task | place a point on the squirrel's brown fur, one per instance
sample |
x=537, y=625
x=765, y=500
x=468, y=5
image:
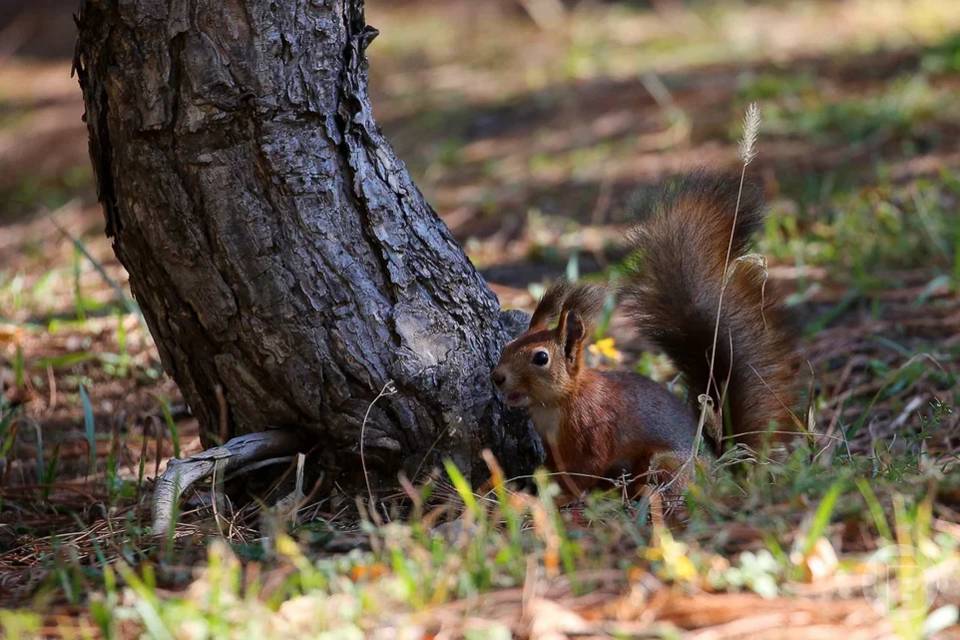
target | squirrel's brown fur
x=675, y=297
x=601, y=423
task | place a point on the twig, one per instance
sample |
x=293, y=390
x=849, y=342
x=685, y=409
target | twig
x=433, y=445
x=216, y=491
x=388, y=390
x=915, y=403
x=52, y=385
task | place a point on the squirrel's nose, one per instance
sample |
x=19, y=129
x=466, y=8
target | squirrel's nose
x=498, y=377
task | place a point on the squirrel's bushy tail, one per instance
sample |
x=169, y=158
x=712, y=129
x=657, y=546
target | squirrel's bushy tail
x=673, y=297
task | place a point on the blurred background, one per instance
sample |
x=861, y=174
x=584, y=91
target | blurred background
x=538, y=129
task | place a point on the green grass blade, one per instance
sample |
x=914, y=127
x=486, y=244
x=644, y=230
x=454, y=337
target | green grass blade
x=89, y=427
x=50, y=473
x=78, y=289
x=462, y=486
x=171, y=425
x=121, y=295
x=19, y=368
x=40, y=464
x=875, y=509
x=821, y=519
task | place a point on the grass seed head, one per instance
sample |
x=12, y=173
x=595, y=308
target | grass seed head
x=751, y=127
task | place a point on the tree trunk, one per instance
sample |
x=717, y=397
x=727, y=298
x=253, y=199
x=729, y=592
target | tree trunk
x=280, y=252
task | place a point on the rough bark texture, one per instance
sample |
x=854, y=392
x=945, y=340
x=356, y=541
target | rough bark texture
x=276, y=244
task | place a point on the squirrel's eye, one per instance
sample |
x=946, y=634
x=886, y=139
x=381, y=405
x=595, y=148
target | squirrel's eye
x=540, y=358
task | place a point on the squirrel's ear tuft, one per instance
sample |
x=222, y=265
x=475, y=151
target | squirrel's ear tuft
x=549, y=305
x=562, y=329
x=572, y=333
x=586, y=300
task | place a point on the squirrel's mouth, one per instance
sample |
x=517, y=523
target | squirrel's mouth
x=517, y=399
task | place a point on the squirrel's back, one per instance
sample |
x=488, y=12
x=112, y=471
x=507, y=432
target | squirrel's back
x=675, y=296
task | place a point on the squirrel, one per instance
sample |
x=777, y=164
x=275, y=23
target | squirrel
x=601, y=424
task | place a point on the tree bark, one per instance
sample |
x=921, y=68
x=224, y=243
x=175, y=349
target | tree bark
x=278, y=248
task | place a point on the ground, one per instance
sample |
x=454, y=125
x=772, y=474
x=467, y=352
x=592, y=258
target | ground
x=539, y=135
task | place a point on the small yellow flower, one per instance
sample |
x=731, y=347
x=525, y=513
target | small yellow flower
x=605, y=348
x=287, y=547
x=673, y=556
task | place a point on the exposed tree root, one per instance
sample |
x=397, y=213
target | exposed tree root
x=236, y=452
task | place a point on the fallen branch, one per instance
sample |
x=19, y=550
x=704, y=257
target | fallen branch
x=243, y=450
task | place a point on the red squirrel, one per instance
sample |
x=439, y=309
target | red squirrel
x=600, y=424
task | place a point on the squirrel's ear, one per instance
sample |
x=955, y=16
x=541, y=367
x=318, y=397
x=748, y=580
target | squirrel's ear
x=549, y=305
x=562, y=328
x=572, y=332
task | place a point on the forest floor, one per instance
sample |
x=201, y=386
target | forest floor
x=539, y=140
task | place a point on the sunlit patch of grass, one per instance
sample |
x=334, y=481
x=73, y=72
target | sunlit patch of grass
x=780, y=500
x=919, y=559
x=509, y=77
x=25, y=296
x=495, y=543
x=503, y=540
x=20, y=625
x=768, y=86
x=621, y=41
x=48, y=274
x=864, y=233
x=944, y=57
x=902, y=109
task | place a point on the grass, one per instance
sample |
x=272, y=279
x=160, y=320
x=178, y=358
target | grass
x=905, y=110
x=865, y=234
x=504, y=540
x=449, y=96
x=546, y=145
